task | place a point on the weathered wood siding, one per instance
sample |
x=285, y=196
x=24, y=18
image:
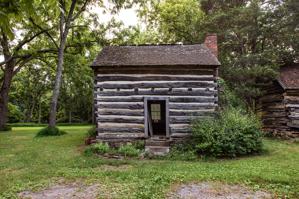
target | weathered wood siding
x=119, y=97
x=291, y=100
x=279, y=111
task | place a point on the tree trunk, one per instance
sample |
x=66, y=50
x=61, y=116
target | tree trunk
x=39, y=111
x=64, y=30
x=6, y=81
x=70, y=116
x=56, y=91
x=8, y=75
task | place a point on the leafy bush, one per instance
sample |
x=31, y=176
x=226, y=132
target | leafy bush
x=183, y=151
x=228, y=98
x=128, y=150
x=231, y=134
x=139, y=144
x=92, y=132
x=99, y=148
x=6, y=128
x=50, y=131
x=14, y=113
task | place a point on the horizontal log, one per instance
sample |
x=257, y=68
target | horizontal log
x=119, y=105
x=156, y=84
x=192, y=106
x=138, y=98
x=120, y=130
x=121, y=119
x=189, y=70
x=186, y=99
x=120, y=136
x=291, y=99
x=154, y=77
x=206, y=112
x=114, y=125
x=186, y=119
x=292, y=105
x=180, y=130
x=158, y=92
x=294, y=92
x=128, y=112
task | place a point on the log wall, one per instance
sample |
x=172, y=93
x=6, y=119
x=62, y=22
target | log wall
x=279, y=111
x=119, y=98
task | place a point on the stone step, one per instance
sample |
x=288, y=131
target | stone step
x=157, y=150
x=151, y=142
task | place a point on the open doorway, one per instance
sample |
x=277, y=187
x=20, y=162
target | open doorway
x=156, y=113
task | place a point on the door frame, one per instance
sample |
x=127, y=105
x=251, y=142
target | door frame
x=146, y=99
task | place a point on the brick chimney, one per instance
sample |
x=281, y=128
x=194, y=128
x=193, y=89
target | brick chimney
x=211, y=43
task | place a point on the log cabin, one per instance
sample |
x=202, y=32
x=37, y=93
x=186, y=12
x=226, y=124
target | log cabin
x=154, y=92
x=279, y=106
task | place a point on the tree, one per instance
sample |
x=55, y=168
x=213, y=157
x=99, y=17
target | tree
x=16, y=52
x=254, y=36
x=174, y=20
x=67, y=17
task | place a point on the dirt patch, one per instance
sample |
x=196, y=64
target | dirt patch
x=68, y=191
x=115, y=168
x=213, y=190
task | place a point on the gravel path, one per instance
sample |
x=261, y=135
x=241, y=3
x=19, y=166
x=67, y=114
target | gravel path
x=71, y=191
x=212, y=190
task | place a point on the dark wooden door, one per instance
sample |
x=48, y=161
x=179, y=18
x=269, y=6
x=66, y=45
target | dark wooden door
x=157, y=112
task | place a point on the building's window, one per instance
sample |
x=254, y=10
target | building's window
x=156, y=112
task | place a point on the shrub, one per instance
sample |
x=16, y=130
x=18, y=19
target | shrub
x=14, y=113
x=92, y=132
x=232, y=133
x=128, y=150
x=183, y=151
x=6, y=128
x=99, y=148
x=50, y=131
x=139, y=144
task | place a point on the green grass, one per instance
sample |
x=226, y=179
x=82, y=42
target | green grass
x=29, y=163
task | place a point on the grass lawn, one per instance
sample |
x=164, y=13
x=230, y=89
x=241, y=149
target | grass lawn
x=28, y=163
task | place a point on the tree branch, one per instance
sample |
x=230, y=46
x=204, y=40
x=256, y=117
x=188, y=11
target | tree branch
x=28, y=55
x=70, y=14
x=23, y=62
x=47, y=33
x=82, y=9
x=27, y=40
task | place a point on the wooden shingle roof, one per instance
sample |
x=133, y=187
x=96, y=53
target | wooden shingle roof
x=156, y=55
x=289, y=76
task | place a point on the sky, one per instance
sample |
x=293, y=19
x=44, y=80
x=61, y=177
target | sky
x=127, y=16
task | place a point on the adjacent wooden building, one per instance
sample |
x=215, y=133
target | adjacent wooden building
x=154, y=90
x=279, y=107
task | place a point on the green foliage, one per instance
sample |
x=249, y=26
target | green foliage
x=50, y=131
x=175, y=20
x=128, y=150
x=182, y=151
x=228, y=97
x=232, y=134
x=92, y=132
x=139, y=144
x=14, y=113
x=6, y=128
x=98, y=148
